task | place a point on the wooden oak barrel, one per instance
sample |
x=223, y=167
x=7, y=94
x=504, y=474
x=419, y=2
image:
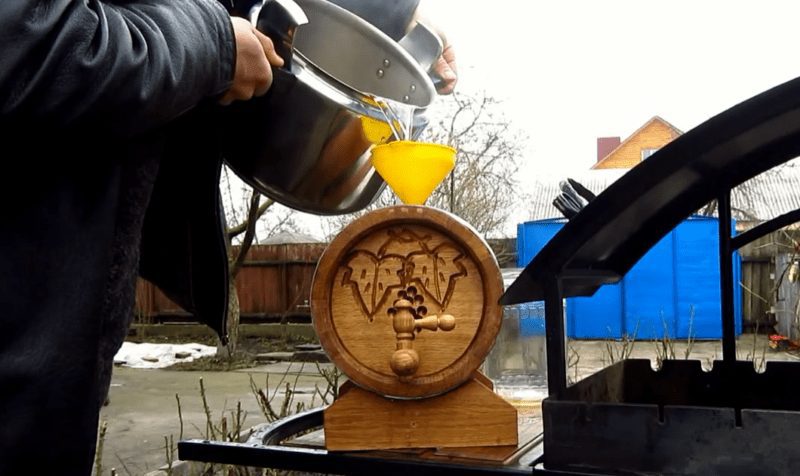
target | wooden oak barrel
x=405, y=301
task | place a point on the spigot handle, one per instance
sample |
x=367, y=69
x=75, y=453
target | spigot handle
x=445, y=322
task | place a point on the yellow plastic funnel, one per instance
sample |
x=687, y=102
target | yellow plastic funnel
x=413, y=169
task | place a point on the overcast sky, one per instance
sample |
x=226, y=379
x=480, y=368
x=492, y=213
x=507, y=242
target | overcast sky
x=570, y=71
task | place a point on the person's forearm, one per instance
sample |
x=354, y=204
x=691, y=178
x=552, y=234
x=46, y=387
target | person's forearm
x=123, y=66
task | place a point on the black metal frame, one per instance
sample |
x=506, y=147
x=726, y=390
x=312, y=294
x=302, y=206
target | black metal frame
x=587, y=426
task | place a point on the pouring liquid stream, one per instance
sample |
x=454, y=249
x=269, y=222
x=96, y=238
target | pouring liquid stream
x=398, y=116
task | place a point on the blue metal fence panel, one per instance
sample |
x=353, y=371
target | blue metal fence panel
x=596, y=317
x=699, y=294
x=533, y=235
x=649, y=293
x=531, y=318
x=673, y=290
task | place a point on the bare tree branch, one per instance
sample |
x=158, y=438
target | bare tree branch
x=249, y=234
x=482, y=188
x=237, y=230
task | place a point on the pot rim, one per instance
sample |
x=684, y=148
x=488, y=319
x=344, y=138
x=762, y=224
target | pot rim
x=350, y=19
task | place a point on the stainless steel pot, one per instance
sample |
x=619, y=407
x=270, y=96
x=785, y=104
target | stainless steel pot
x=302, y=144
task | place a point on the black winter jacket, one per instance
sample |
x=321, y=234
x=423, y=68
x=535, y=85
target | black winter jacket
x=92, y=96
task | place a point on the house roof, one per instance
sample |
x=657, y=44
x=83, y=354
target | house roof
x=773, y=193
x=765, y=196
x=602, y=242
x=622, y=144
x=287, y=237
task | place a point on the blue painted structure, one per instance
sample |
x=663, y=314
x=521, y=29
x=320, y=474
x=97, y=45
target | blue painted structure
x=531, y=318
x=672, y=291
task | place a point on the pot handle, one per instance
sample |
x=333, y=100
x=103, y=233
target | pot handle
x=278, y=19
x=425, y=46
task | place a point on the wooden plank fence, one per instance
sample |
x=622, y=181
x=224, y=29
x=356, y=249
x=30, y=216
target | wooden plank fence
x=758, y=296
x=761, y=276
x=273, y=285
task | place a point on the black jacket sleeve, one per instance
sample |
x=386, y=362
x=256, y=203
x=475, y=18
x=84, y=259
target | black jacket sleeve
x=116, y=66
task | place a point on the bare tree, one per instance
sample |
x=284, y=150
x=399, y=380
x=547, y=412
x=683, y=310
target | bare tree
x=332, y=225
x=242, y=229
x=482, y=189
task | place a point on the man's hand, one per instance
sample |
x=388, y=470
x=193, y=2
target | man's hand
x=446, y=69
x=254, y=55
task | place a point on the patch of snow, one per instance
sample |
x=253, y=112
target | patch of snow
x=522, y=393
x=158, y=356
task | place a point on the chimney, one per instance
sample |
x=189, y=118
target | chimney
x=605, y=145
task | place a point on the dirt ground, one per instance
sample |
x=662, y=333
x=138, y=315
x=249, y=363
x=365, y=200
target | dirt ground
x=143, y=408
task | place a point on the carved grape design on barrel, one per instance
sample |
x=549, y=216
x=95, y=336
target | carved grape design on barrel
x=375, y=277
